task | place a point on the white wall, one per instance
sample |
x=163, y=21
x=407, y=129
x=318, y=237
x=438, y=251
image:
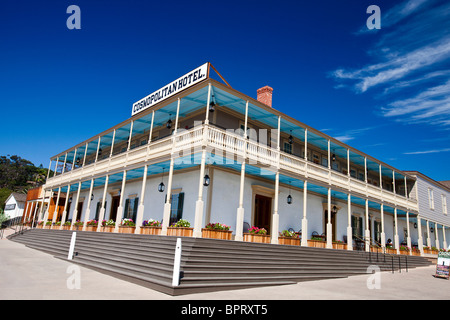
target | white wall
x=18, y=209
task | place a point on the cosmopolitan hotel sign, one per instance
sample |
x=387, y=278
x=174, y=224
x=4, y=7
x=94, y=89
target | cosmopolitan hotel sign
x=189, y=79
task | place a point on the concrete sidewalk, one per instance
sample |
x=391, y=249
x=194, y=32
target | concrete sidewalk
x=30, y=274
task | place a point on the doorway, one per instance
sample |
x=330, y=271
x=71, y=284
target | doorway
x=263, y=210
x=114, y=206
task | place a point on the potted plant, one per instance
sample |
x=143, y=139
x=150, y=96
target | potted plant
x=256, y=234
x=40, y=224
x=48, y=225
x=108, y=225
x=434, y=250
x=217, y=231
x=427, y=250
x=92, y=225
x=317, y=242
x=66, y=225
x=151, y=227
x=181, y=228
x=339, y=244
x=78, y=225
x=127, y=226
x=390, y=249
x=404, y=250
x=415, y=251
x=289, y=238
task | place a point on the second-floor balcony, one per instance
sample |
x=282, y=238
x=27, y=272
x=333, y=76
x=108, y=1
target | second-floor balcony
x=227, y=147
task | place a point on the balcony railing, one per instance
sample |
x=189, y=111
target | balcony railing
x=230, y=145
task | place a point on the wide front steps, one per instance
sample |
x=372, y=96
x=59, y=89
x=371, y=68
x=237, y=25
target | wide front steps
x=207, y=264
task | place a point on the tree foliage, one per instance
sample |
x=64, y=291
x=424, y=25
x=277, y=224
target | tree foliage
x=19, y=175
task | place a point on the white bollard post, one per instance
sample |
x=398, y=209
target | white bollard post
x=72, y=246
x=176, y=264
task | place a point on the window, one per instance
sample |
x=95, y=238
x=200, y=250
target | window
x=287, y=147
x=176, y=208
x=97, y=210
x=444, y=204
x=357, y=226
x=431, y=198
x=131, y=206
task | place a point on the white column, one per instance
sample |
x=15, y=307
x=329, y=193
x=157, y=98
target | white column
x=436, y=231
x=275, y=216
x=396, y=238
x=207, y=104
x=55, y=212
x=151, y=127
x=140, y=212
x=420, y=238
x=63, y=218
x=329, y=226
x=444, y=239
x=168, y=204
x=98, y=148
x=102, y=210
x=306, y=148
x=305, y=220
x=367, y=231
x=383, y=234
x=408, y=239
x=428, y=235
x=112, y=143
x=131, y=135
x=240, y=210
x=75, y=211
x=199, y=203
x=87, y=214
x=34, y=213
x=119, y=214
x=349, y=226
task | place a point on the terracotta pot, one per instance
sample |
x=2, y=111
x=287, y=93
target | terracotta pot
x=91, y=228
x=107, y=228
x=259, y=238
x=216, y=234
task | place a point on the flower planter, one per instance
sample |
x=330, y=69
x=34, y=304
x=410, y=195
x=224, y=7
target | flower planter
x=91, y=228
x=216, y=234
x=126, y=229
x=151, y=230
x=391, y=251
x=404, y=252
x=415, y=253
x=107, y=228
x=260, y=238
x=180, y=231
x=289, y=241
x=65, y=227
x=317, y=243
x=339, y=246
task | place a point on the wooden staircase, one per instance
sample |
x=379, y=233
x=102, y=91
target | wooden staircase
x=207, y=264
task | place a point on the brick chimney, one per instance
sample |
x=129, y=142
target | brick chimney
x=265, y=95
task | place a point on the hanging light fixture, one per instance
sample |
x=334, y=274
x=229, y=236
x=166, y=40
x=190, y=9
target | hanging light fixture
x=206, y=180
x=291, y=139
x=212, y=104
x=161, y=186
x=169, y=123
x=333, y=157
x=289, y=197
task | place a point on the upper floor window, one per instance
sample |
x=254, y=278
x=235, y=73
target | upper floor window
x=444, y=204
x=431, y=198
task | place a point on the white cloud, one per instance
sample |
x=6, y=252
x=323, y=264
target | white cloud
x=428, y=151
x=410, y=59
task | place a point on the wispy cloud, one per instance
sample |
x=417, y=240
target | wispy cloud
x=353, y=133
x=411, y=59
x=428, y=151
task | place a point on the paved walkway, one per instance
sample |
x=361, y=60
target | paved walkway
x=31, y=274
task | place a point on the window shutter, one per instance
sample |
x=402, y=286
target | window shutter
x=180, y=205
x=135, y=207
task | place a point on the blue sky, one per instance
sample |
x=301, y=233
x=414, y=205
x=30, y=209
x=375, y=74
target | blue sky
x=385, y=92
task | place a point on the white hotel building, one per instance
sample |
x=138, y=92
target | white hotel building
x=254, y=157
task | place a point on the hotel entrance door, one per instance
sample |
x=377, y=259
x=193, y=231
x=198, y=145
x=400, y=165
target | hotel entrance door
x=263, y=210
